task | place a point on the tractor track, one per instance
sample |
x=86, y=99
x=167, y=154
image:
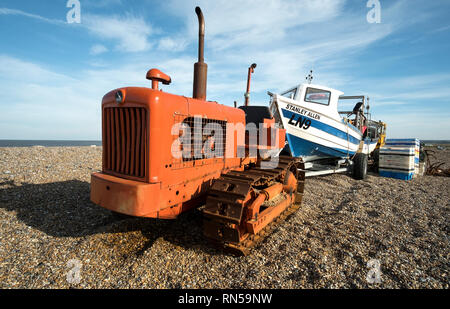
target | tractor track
x=230, y=196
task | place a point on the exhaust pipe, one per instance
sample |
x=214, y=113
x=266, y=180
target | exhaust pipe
x=200, y=68
x=251, y=70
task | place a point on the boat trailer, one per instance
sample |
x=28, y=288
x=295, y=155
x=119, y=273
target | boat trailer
x=313, y=169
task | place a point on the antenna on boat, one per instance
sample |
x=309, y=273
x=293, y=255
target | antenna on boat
x=368, y=108
x=310, y=77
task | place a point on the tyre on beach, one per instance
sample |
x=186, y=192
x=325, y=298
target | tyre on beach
x=376, y=159
x=360, y=166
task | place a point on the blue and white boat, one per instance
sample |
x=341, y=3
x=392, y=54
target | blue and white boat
x=315, y=129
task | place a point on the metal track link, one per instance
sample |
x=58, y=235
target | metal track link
x=254, y=240
x=228, y=198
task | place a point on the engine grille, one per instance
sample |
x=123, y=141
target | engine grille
x=190, y=121
x=125, y=141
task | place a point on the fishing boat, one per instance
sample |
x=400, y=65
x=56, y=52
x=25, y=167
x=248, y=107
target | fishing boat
x=316, y=130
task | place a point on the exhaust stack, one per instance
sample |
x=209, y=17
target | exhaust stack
x=200, y=68
x=251, y=70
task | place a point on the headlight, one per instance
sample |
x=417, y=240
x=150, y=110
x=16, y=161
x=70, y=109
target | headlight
x=119, y=97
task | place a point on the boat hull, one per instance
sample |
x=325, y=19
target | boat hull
x=312, y=135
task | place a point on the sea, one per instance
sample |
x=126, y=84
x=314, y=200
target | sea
x=47, y=143
x=69, y=143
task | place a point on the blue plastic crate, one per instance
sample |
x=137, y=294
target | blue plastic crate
x=403, y=142
x=396, y=175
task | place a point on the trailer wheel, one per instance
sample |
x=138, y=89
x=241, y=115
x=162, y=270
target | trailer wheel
x=360, y=166
x=376, y=159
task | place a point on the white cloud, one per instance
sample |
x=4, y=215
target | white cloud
x=6, y=11
x=12, y=69
x=129, y=33
x=394, y=90
x=174, y=45
x=236, y=23
x=416, y=123
x=39, y=103
x=101, y=3
x=285, y=39
x=227, y=17
x=98, y=49
x=441, y=29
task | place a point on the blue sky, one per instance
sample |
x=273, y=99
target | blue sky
x=54, y=74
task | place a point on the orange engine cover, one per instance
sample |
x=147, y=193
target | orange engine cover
x=143, y=173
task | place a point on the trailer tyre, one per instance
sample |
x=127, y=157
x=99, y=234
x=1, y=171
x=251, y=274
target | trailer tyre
x=376, y=159
x=376, y=155
x=360, y=166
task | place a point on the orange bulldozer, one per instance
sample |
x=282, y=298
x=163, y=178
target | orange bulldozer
x=164, y=154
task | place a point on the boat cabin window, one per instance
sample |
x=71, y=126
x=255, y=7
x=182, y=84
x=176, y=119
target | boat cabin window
x=318, y=96
x=290, y=94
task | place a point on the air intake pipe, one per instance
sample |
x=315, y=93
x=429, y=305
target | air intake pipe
x=200, y=68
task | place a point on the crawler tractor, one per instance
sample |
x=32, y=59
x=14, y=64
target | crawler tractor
x=164, y=154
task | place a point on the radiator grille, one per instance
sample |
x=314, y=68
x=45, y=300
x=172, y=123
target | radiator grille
x=201, y=137
x=125, y=141
x=189, y=156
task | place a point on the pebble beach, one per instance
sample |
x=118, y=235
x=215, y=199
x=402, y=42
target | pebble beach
x=52, y=236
